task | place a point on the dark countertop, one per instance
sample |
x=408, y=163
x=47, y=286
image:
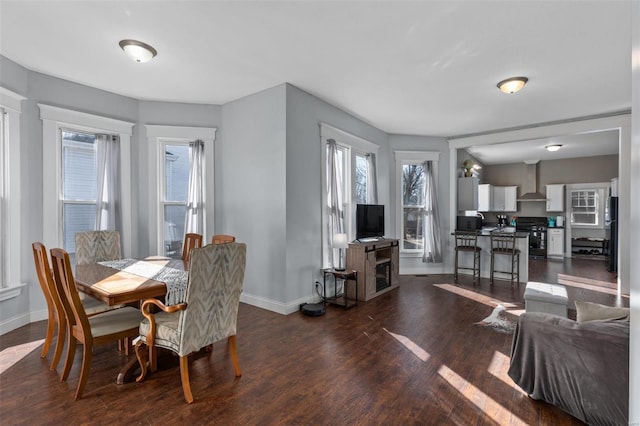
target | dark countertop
x=487, y=233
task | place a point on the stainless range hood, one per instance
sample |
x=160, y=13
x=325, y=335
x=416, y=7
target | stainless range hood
x=531, y=192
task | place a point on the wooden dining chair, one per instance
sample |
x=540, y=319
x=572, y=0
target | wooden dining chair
x=56, y=315
x=191, y=241
x=89, y=331
x=222, y=239
x=97, y=246
x=209, y=314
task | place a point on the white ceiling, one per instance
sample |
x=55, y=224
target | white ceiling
x=425, y=68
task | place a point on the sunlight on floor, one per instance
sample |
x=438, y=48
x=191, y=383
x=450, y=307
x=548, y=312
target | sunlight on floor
x=409, y=344
x=478, y=398
x=499, y=366
x=10, y=356
x=486, y=300
x=588, y=284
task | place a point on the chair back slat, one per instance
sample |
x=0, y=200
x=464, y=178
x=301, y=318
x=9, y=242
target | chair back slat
x=45, y=278
x=191, y=241
x=503, y=242
x=466, y=240
x=70, y=298
x=222, y=239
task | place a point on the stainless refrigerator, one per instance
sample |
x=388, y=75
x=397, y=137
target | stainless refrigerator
x=611, y=229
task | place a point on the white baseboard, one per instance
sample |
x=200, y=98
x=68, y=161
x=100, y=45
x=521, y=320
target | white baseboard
x=15, y=322
x=272, y=305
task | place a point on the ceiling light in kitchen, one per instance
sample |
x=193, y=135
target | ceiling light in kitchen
x=553, y=148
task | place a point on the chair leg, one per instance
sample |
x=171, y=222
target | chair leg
x=71, y=353
x=492, y=259
x=234, y=355
x=153, y=359
x=184, y=376
x=87, y=354
x=455, y=268
x=62, y=334
x=142, y=353
x=51, y=325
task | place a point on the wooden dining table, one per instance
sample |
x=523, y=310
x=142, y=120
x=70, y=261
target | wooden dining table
x=116, y=287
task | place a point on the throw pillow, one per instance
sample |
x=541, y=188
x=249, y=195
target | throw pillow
x=588, y=311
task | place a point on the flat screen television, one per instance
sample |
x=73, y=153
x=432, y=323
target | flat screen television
x=369, y=221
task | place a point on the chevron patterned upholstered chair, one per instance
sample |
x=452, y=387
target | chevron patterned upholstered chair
x=97, y=246
x=208, y=314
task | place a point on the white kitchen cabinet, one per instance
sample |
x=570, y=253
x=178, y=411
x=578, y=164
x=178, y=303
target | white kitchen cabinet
x=504, y=198
x=467, y=193
x=555, y=198
x=484, y=197
x=555, y=242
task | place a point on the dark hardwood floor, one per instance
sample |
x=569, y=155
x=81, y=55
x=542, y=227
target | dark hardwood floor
x=411, y=356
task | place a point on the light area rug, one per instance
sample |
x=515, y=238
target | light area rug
x=498, y=321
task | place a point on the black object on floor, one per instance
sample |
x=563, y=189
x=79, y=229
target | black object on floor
x=313, y=309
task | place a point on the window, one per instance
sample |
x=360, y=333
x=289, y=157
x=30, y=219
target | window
x=3, y=202
x=585, y=207
x=356, y=177
x=169, y=168
x=11, y=245
x=70, y=174
x=79, y=185
x=417, y=204
x=361, y=179
x=413, y=204
x=173, y=203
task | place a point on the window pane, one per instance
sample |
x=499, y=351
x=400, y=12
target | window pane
x=412, y=185
x=79, y=177
x=173, y=230
x=362, y=171
x=176, y=172
x=77, y=218
x=412, y=234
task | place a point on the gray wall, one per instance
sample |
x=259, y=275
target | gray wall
x=251, y=189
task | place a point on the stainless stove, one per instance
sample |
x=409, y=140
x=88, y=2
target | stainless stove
x=537, y=229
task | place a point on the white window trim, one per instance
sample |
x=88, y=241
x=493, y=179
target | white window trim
x=53, y=120
x=12, y=104
x=410, y=157
x=602, y=189
x=353, y=144
x=157, y=136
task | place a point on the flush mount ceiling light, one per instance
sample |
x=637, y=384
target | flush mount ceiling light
x=553, y=148
x=137, y=50
x=513, y=84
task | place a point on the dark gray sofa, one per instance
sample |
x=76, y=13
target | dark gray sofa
x=582, y=368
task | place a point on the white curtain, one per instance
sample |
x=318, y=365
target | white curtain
x=334, y=193
x=108, y=215
x=372, y=180
x=431, y=223
x=194, y=216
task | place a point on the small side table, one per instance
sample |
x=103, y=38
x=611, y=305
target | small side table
x=346, y=275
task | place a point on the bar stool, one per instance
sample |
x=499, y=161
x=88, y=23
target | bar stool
x=467, y=242
x=504, y=243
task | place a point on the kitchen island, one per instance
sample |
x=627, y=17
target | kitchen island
x=501, y=261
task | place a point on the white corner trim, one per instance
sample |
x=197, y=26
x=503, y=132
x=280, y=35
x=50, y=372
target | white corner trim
x=272, y=305
x=11, y=100
x=180, y=132
x=72, y=117
x=11, y=292
x=327, y=131
x=417, y=155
